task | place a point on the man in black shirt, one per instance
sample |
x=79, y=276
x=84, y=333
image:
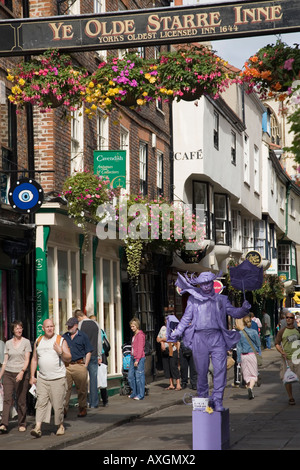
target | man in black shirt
x=93, y=332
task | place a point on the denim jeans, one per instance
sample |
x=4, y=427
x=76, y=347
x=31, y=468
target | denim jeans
x=268, y=341
x=136, y=378
x=93, y=373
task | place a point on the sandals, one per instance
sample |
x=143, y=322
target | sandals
x=170, y=388
x=60, y=431
x=178, y=389
x=22, y=428
x=36, y=432
x=292, y=401
x=3, y=429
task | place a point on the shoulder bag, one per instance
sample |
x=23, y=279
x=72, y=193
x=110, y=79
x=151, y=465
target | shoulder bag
x=258, y=357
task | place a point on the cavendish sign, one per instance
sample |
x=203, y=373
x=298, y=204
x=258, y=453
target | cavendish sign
x=135, y=28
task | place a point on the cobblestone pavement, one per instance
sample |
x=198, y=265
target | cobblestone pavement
x=267, y=422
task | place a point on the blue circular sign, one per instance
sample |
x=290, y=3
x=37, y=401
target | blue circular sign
x=26, y=196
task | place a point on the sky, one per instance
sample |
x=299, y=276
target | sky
x=237, y=51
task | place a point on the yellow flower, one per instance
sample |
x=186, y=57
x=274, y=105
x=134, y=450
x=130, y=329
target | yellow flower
x=107, y=102
x=94, y=107
x=16, y=90
x=147, y=76
x=170, y=92
x=111, y=82
x=145, y=93
x=10, y=77
x=22, y=81
x=209, y=410
x=91, y=85
x=152, y=79
x=140, y=102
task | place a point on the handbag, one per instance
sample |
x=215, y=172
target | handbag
x=258, y=357
x=186, y=352
x=230, y=362
x=102, y=376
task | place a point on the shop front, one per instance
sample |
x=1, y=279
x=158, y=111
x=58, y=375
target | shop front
x=72, y=274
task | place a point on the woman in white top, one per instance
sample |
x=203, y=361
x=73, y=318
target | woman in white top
x=14, y=375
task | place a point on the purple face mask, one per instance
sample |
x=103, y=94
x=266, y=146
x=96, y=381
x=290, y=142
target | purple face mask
x=206, y=287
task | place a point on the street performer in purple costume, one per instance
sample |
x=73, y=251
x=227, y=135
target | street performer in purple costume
x=204, y=330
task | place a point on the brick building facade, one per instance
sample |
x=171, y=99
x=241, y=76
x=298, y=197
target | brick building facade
x=64, y=277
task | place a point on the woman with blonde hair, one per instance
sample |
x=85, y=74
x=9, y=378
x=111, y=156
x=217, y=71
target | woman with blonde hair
x=247, y=348
x=136, y=373
x=15, y=376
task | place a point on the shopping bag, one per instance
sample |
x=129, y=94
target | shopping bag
x=102, y=376
x=289, y=376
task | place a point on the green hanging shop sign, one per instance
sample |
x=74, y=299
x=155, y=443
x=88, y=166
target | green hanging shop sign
x=111, y=164
x=42, y=307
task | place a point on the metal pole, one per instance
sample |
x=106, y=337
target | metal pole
x=31, y=298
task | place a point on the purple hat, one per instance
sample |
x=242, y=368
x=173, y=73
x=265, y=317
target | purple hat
x=206, y=276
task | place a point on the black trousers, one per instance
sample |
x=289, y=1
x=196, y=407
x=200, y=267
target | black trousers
x=185, y=364
x=170, y=366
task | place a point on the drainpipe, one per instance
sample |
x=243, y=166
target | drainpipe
x=288, y=190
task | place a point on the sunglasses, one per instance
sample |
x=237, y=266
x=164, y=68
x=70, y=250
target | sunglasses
x=289, y=318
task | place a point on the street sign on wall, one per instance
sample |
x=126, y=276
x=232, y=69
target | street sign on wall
x=111, y=164
x=135, y=28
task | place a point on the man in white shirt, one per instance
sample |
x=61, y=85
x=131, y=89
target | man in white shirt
x=49, y=353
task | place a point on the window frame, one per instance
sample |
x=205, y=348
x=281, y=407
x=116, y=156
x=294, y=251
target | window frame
x=143, y=168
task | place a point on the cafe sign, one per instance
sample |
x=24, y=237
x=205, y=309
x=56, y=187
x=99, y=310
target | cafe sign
x=135, y=28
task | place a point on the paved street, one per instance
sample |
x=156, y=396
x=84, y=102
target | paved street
x=163, y=422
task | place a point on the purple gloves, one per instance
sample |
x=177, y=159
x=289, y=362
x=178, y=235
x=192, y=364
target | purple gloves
x=246, y=305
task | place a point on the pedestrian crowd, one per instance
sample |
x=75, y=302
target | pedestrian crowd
x=61, y=360
x=56, y=362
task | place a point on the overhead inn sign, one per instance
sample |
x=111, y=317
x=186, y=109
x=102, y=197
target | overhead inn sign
x=156, y=26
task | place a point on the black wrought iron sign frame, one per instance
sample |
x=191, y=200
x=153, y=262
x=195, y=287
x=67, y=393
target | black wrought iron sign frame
x=136, y=28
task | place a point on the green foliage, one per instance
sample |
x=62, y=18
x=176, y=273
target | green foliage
x=294, y=120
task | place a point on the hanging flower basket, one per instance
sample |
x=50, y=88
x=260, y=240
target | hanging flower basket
x=154, y=233
x=47, y=81
x=191, y=257
x=192, y=94
x=187, y=74
x=129, y=81
x=272, y=71
x=84, y=192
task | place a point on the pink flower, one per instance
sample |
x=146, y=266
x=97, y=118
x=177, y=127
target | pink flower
x=288, y=65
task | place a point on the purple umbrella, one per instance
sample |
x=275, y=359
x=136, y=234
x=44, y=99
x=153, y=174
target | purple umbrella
x=246, y=276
